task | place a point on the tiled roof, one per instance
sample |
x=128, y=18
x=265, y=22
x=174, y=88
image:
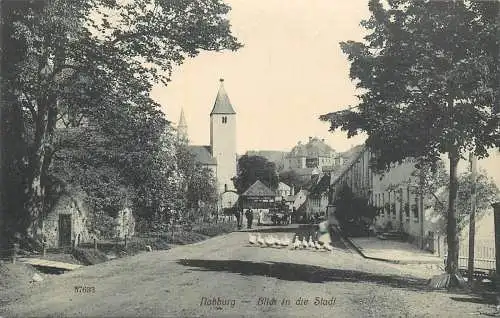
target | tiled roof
x=354, y=154
x=353, y=151
x=222, y=104
x=258, y=189
x=202, y=155
x=313, y=149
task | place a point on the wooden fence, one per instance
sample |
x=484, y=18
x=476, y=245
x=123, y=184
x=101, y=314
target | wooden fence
x=484, y=255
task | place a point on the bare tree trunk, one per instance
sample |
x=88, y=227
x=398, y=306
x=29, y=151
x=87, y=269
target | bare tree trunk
x=40, y=162
x=452, y=263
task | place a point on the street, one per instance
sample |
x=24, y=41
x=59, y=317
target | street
x=225, y=276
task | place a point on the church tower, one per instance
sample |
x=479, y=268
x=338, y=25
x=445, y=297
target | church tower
x=182, y=127
x=223, y=139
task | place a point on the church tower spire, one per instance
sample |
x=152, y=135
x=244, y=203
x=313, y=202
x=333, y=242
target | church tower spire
x=182, y=127
x=223, y=139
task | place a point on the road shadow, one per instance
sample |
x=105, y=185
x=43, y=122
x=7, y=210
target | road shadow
x=476, y=300
x=305, y=273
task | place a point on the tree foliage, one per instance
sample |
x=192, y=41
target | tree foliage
x=93, y=63
x=486, y=193
x=428, y=72
x=354, y=213
x=253, y=168
x=291, y=178
x=200, y=184
x=435, y=186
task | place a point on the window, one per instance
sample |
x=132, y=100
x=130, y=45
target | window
x=224, y=119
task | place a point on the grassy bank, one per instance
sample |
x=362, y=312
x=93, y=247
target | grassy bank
x=159, y=240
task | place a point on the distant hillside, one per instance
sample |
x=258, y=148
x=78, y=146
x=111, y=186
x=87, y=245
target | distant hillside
x=278, y=157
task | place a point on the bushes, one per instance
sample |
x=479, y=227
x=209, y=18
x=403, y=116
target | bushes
x=89, y=256
x=354, y=213
x=102, y=224
x=215, y=229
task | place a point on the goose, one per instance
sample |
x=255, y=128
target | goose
x=269, y=240
x=304, y=242
x=252, y=239
x=277, y=241
x=311, y=243
x=260, y=240
x=328, y=247
x=280, y=241
x=285, y=241
x=296, y=243
x=317, y=245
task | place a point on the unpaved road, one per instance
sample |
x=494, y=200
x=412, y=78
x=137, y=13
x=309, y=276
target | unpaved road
x=247, y=282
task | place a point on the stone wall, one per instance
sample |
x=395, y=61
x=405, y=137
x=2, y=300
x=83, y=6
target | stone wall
x=74, y=206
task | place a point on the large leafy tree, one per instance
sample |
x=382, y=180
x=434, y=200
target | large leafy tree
x=435, y=186
x=253, y=168
x=93, y=62
x=200, y=185
x=291, y=178
x=486, y=193
x=428, y=71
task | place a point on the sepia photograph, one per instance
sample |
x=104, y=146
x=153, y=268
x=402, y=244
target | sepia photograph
x=250, y=158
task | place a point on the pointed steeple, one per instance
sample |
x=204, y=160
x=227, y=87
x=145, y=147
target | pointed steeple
x=182, y=126
x=222, y=104
x=182, y=120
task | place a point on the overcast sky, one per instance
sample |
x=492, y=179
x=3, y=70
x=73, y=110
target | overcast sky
x=290, y=70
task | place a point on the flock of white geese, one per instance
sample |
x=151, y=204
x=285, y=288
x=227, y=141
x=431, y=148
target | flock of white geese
x=297, y=244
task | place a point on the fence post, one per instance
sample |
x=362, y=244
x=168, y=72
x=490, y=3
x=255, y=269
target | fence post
x=496, y=207
x=44, y=247
x=14, y=253
x=435, y=248
x=95, y=244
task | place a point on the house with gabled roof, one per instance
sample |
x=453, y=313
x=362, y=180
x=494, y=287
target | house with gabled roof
x=318, y=198
x=258, y=193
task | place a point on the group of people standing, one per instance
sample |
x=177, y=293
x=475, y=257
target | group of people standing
x=248, y=215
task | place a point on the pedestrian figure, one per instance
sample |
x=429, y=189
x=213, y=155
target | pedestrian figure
x=249, y=215
x=237, y=214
